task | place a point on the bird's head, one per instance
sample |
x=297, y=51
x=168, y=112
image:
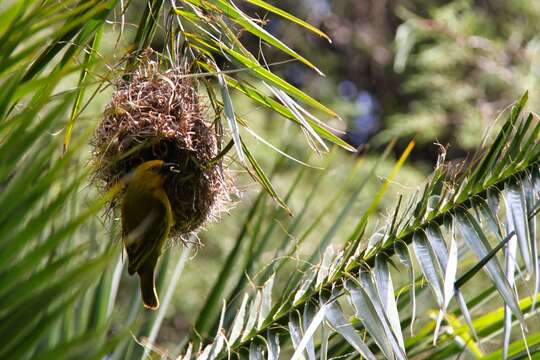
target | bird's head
x=152, y=173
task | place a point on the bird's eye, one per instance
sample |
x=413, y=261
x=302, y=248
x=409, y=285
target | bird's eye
x=171, y=168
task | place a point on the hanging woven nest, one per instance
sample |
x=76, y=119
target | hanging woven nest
x=158, y=115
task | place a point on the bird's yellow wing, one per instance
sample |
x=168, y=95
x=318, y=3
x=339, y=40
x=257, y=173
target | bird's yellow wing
x=145, y=226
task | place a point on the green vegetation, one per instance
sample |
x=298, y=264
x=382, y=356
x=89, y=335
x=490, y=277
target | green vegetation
x=329, y=252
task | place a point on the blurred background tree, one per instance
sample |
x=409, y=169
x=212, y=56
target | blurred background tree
x=437, y=71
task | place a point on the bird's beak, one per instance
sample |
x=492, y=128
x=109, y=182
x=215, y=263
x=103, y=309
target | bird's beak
x=171, y=168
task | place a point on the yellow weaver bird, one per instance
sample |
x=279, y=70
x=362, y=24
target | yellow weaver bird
x=147, y=219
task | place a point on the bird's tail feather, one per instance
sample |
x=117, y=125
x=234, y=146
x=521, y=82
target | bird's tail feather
x=148, y=289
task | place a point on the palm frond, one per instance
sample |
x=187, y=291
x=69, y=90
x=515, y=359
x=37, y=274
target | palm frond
x=454, y=218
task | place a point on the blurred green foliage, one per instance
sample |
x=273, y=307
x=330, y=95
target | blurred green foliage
x=439, y=71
